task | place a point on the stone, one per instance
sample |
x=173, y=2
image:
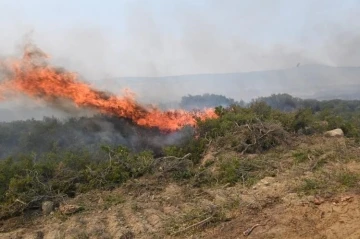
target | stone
x=47, y=207
x=335, y=133
x=68, y=209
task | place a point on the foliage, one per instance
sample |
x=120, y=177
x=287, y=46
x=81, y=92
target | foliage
x=244, y=170
x=344, y=114
x=53, y=159
x=31, y=179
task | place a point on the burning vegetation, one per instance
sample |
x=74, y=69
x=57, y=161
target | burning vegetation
x=33, y=76
x=53, y=162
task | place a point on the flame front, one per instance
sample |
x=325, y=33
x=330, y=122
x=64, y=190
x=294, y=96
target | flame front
x=33, y=76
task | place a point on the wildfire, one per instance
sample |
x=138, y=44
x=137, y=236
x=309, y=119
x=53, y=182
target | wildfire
x=35, y=77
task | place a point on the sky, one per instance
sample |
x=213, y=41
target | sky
x=103, y=39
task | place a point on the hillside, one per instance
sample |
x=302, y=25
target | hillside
x=252, y=172
x=299, y=199
x=308, y=81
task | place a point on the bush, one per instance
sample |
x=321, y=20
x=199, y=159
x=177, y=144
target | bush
x=52, y=164
x=29, y=180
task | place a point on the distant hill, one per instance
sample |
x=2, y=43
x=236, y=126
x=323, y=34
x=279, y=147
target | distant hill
x=308, y=81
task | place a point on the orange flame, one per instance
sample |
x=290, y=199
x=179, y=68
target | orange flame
x=33, y=76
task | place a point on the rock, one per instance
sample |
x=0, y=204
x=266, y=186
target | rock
x=346, y=198
x=318, y=201
x=266, y=183
x=47, y=207
x=335, y=133
x=69, y=209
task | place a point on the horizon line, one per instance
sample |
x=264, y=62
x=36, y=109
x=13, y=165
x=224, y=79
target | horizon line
x=238, y=72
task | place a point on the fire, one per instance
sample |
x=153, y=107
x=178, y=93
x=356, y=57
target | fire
x=34, y=76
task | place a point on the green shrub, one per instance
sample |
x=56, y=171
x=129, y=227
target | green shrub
x=31, y=179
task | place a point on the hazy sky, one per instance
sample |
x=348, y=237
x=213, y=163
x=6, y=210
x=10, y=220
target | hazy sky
x=171, y=37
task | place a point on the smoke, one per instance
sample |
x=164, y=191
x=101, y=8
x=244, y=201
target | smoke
x=104, y=43
x=346, y=51
x=213, y=37
x=89, y=133
x=142, y=38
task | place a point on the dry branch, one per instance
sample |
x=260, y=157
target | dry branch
x=194, y=225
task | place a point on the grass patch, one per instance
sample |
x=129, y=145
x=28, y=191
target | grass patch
x=319, y=163
x=347, y=178
x=182, y=175
x=245, y=170
x=311, y=186
x=331, y=181
x=112, y=200
x=300, y=156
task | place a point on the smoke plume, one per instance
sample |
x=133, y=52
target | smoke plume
x=143, y=38
x=34, y=77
